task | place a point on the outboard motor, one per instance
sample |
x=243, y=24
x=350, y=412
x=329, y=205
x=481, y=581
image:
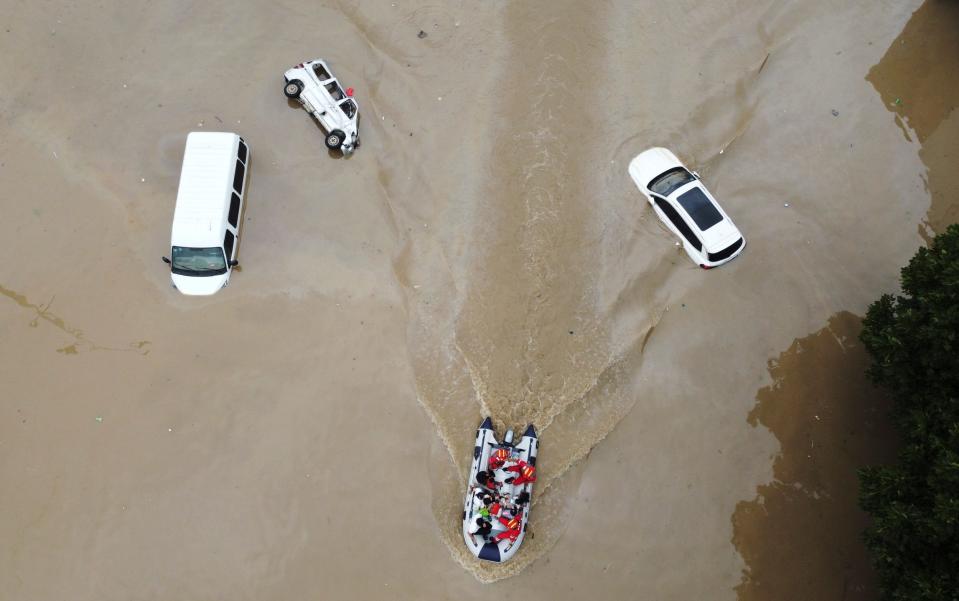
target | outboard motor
x=508, y=439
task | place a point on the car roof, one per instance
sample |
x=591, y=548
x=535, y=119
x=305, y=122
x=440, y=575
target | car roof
x=206, y=183
x=717, y=236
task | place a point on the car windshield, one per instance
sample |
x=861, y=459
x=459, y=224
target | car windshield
x=726, y=252
x=671, y=180
x=198, y=261
x=700, y=208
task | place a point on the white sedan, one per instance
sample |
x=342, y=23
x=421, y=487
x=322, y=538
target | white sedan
x=321, y=95
x=687, y=208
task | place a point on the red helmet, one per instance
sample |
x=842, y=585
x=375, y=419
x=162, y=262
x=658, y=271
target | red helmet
x=498, y=458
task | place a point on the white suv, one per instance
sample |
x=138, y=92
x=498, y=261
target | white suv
x=321, y=95
x=687, y=208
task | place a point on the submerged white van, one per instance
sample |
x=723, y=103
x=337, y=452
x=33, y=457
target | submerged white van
x=206, y=221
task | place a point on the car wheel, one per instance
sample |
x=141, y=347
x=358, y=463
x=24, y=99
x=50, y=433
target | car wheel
x=293, y=88
x=334, y=139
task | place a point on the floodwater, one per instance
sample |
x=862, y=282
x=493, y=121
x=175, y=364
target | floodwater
x=304, y=433
x=916, y=80
x=800, y=535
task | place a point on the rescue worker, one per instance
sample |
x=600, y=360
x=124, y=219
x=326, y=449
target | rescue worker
x=527, y=473
x=498, y=458
x=512, y=531
x=496, y=509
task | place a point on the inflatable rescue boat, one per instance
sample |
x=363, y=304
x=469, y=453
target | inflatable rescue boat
x=501, y=477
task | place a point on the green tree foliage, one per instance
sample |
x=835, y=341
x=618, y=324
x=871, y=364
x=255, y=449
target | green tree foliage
x=914, y=343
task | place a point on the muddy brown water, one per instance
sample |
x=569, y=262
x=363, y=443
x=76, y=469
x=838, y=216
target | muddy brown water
x=916, y=80
x=799, y=536
x=304, y=433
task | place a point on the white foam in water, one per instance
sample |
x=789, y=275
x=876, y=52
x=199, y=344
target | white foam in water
x=512, y=315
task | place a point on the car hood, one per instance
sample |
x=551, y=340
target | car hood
x=651, y=163
x=199, y=285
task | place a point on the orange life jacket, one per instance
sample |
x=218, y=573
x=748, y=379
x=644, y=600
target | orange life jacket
x=498, y=458
x=527, y=470
x=513, y=524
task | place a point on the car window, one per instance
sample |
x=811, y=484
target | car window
x=238, y=177
x=321, y=73
x=242, y=151
x=348, y=107
x=700, y=208
x=671, y=180
x=234, y=209
x=726, y=252
x=335, y=90
x=228, y=244
x=684, y=229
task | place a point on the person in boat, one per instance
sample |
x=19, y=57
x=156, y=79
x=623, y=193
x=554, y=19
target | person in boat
x=513, y=527
x=497, y=463
x=481, y=527
x=525, y=472
x=487, y=479
x=498, y=458
x=518, y=507
x=482, y=498
x=487, y=506
x=513, y=507
x=496, y=508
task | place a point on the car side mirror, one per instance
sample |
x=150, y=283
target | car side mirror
x=166, y=260
x=234, y=263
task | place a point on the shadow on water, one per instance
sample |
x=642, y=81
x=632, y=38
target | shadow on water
x=916, y=80
x=801, y=536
